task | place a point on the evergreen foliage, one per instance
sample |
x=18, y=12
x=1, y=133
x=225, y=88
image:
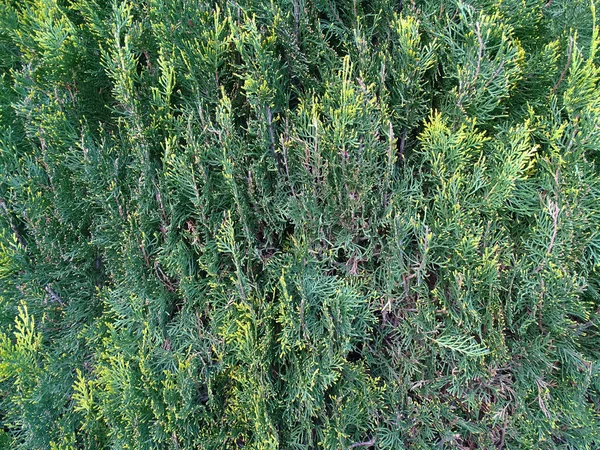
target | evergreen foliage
x=296, y=224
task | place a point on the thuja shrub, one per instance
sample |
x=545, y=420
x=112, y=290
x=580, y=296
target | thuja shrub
x=299, y=224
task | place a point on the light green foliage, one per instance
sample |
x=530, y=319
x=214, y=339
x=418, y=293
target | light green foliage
x=299, y=224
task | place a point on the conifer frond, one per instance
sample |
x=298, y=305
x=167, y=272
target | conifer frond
x=299, y=224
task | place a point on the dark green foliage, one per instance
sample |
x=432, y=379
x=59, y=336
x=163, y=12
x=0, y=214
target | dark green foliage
x=299, y=225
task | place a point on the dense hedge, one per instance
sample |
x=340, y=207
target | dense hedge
x=296, y=224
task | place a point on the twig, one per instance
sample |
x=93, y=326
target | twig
x=164, y=278
x=541, y=384
x=494, y=75
x=13, y=227
x=564, y=72
x=162, y=210
x=503, y=434
x=175, y=440
x=363, y=444
x=425, y=248
x=402, y=143
x=53, y=295
x=272, y=137
x=554, y=212
x=479, y=51
x=573, y=136
x=285, y=161
x=147, y=261
x=296, y=20
x=391, y=140
x=583, y=326
x=335, y=13
x=461, y=94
